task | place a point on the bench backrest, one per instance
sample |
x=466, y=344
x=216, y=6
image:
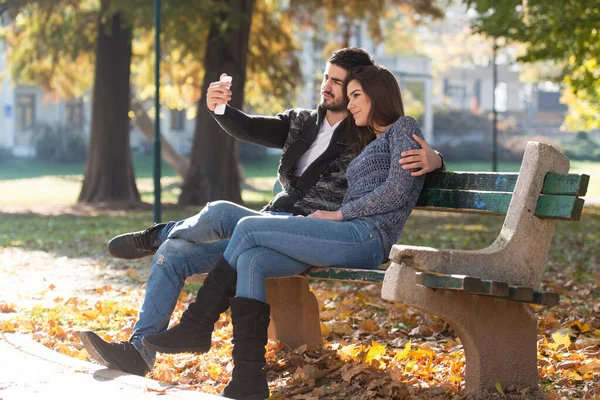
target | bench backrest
x=491, y=193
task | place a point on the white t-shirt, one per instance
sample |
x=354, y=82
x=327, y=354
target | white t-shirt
x=317, y=148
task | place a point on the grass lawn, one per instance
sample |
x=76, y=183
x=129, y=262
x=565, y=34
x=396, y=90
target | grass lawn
x=31, y=182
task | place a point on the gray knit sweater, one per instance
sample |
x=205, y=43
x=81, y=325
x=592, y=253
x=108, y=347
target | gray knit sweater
x=379, y=190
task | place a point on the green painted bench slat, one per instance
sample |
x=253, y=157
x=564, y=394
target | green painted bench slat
x=495, y=288
x=346, y=274
x=546, y=298
x=559, y=207
x=564, y=184
x=549, y=206
x=489, y=202
x=520, y=293
x=569, y=185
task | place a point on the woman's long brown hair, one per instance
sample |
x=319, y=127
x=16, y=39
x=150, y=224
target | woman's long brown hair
x=382, y=88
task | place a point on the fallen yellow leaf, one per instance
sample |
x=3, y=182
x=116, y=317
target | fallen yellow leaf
x=375, y=352
x=7, y=326
x=559, y=339
x=402, y=354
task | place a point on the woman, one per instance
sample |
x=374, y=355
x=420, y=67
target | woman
x=360, y=234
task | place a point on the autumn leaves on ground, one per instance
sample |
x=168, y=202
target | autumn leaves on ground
x=57, y=279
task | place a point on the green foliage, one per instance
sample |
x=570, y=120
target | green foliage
x=562, y=31
x=57, y=144
x=582, y=148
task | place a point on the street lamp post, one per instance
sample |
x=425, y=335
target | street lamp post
x=494, y=111
x=156, y=143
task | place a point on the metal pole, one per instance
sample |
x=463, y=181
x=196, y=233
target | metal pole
x=494, y=112
x=156, y=152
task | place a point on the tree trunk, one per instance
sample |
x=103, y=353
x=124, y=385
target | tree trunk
x=179, y=163
x=109, y=176
x=214, y=171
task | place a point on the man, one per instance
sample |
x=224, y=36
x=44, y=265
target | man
x=312, y=172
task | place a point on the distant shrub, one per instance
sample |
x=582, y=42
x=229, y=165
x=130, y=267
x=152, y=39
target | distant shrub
x=57, y=144
x=582, y=148
x=6, y=154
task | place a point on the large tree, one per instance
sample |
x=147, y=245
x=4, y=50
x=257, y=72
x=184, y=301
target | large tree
x=109, y=176
x=214, y=172
x=52, y=43
x=563, y=31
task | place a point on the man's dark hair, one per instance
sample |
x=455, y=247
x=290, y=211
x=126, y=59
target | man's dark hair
x=351, y=57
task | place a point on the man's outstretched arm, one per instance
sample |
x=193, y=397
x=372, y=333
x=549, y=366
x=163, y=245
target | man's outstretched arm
x=424, y=159
x=257, y=129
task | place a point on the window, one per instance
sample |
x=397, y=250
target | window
x=24, y=112
x=501, y=95
x=74, y=115
x=177, y=120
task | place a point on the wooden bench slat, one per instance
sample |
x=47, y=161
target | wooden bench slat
x=453, y=282
x=520, y=293
x=478, y=286
x=559, y=207
x=563, y=184
x=548, y=206
x=546, y=298
x=570, y=184
x=490, y=202
x=346, y=274
x=480, y=181
x=495, y=288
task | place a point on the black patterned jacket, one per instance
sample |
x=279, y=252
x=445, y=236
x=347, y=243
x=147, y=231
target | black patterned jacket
x=294, y=131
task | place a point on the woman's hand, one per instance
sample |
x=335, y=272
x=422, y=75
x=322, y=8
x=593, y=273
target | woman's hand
x=329, y=215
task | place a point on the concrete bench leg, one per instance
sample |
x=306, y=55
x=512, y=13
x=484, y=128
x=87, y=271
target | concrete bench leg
x=499, y=336
x=294, y=312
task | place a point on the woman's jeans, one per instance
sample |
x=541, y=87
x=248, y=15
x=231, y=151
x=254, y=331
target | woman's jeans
x=264, y=247
x=188, y=247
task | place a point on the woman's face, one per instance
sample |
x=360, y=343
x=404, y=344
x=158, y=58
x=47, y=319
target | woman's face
x=359, y=104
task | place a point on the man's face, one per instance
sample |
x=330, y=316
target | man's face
x=332, y=97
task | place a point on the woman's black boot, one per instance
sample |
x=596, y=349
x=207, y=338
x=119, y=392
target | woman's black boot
x=194, y=332
x=250, y=320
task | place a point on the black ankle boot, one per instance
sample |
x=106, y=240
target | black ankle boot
x=250, y=320
x=134, y=245
x=193, y=334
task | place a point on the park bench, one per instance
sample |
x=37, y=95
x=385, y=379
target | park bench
x=484, y=295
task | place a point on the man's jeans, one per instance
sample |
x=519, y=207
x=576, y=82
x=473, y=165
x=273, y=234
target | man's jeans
x=188, y=247
x=280, y=246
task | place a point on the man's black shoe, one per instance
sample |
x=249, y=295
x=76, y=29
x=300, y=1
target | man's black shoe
x=135, y=244
x=122, y=355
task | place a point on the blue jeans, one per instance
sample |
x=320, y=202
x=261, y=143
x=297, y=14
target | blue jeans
x=188, y=247
x=264, y=247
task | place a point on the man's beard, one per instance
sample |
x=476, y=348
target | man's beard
x=334, y=105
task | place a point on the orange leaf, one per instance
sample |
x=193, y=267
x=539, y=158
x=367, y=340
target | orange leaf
x=367, y=326
x=27, y=327
x=90, y=314
x=590, y=366
x=7, y=307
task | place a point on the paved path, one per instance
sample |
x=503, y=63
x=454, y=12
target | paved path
x=28, y=370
